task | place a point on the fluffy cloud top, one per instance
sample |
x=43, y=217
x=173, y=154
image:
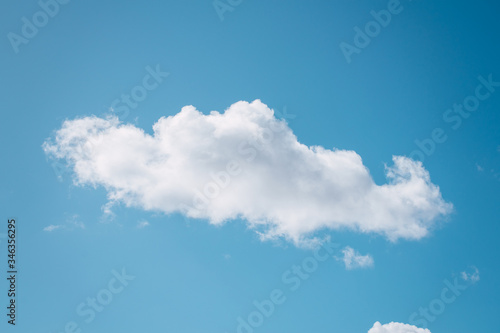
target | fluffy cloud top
x=353, y=259
x=396, y=328
x=245, y=163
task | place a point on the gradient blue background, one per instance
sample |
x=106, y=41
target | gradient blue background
x=287, y=54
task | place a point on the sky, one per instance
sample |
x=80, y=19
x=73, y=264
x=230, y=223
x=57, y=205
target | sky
x=251, y=166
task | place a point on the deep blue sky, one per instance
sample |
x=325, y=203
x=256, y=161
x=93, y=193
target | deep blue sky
x=287, y=54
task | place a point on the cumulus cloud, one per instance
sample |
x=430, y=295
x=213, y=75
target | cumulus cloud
x=396, y=328
x=353, y=259
x=245, y=163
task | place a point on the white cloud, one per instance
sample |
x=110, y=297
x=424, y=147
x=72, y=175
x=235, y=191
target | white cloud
x=72, y=222
x=52, y=227
x=142, y=224
x=396, y=328
x=472, y=277
x=353, y=259
x=108, y=214
x=247, y=164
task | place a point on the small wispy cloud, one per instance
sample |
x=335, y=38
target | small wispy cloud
x=471, y=277
x=107, y=213
x=142, y=224
x=353, y=259
x=71, y=222
x=74, y=222
x=479, y=168
x=52, y=227
x=227, y=256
